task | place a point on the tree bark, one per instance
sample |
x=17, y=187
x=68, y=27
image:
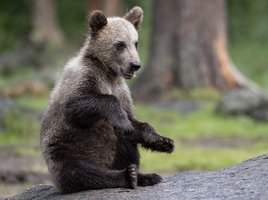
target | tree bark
x=188, y=50
x=45, y=25
x=157, y=77
x=202, y=56
x=110, y=7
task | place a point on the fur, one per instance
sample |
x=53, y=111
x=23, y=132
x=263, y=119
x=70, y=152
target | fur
x=89, y=135
x=97, y=21
x=135, y=16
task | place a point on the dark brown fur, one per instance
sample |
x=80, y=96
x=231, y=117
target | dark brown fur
x=89, y=135
x=97, y=21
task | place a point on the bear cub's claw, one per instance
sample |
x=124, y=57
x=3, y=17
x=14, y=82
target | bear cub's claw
x=132, y=172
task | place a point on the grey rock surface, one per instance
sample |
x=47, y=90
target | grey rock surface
x=245, y=181
x=244, y=102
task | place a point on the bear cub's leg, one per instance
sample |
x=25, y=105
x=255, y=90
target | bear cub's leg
x=76, y=176
x=150, y=139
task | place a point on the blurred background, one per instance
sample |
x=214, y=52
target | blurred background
x=203, y=84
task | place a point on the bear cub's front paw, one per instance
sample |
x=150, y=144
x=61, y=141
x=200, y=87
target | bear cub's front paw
x=161, y=144
x=132, y=176
x=164, y=145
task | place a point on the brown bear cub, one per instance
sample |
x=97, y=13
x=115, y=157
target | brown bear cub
x=89, y=135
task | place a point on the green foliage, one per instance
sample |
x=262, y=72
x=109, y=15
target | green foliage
x=247, y=21
x=251, y=59
x=72, y=18
x=15, y=18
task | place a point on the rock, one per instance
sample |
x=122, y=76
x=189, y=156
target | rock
x=244, y=102
x=245, y=181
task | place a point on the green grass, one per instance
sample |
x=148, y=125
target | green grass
x=20, y=128
x=18, y=122
x=37, y=103
x=193, y=127
x=195, y=158
x=204, y=122
x=187, y=131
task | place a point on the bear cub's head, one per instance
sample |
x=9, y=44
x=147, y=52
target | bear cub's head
x=114, y=41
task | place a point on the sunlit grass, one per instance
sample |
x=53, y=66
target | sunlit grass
x=38, y=103
x=196, y=158
x=204, y=123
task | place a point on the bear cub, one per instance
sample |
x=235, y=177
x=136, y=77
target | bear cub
x=89, y=135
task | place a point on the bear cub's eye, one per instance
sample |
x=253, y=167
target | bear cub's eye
x=136, y=44
x=120, y=45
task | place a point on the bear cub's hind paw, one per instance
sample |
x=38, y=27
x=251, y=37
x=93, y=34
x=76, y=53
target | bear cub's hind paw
x=132, y=172
x=148, y=179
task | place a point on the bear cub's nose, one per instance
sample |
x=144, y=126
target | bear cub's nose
x=135, y=66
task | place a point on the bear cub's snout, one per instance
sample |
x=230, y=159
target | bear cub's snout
x=135, y=66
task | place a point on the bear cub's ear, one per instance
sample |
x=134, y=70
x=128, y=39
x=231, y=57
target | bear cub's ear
x=97, y=20
x=135, y=16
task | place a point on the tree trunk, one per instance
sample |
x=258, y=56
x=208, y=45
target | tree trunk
x=201, y=53
x=46, y=29
x=157, y=77
x=110, y=7
x=189, y=50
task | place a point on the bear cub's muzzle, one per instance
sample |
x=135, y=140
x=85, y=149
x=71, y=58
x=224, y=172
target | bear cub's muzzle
x=130, y=71
x=134, y=66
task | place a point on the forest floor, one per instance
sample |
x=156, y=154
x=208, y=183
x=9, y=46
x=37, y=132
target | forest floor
x=18, y=171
